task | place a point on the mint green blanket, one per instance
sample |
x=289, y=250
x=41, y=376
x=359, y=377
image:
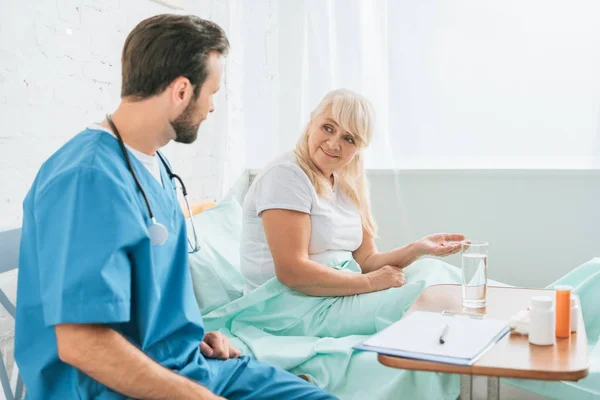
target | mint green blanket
x=314, y=335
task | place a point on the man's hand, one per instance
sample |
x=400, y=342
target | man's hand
x=216, y=345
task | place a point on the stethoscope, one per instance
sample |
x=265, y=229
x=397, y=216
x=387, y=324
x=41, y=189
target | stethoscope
x=157, y=231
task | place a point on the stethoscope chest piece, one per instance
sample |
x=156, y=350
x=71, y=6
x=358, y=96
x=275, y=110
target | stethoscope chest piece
x=158, y=233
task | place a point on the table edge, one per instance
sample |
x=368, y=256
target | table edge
x=420, y=365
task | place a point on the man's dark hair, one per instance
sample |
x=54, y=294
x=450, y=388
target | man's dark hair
x=165, y=47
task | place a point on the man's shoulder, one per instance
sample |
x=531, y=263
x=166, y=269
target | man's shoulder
x=83, y=149
x=89, y=153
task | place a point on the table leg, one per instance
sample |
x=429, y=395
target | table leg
x=466, y=387
x=493, y=388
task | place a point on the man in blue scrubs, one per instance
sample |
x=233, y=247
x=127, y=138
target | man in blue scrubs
x=105, y=309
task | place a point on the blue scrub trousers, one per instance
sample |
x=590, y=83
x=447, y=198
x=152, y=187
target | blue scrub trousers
x=245, y=378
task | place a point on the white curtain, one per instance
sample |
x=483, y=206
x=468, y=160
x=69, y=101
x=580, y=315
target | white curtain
x=455, y=84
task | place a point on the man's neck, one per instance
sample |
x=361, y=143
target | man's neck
x=140, y=126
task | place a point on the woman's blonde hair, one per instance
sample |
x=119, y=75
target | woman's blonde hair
x=353, y=113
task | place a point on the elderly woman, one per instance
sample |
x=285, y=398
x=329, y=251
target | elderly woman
x=307, y=222
x=309, y=210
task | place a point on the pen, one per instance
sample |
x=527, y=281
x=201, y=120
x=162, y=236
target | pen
x=444, y=333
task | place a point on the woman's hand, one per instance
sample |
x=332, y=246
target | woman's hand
x=439, y=244
x=386, y=277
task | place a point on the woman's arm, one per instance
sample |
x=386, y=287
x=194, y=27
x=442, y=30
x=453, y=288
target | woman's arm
x=440, y=244
x=288, y=236
x=370, y=259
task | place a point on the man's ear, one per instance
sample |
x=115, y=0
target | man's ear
x=182, y=92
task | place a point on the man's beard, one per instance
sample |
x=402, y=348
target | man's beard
x=186, y=131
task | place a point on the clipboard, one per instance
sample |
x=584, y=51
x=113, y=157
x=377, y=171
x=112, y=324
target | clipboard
x=417, y=337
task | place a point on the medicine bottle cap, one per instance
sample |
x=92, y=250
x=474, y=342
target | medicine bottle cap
x=563, y=288
x=543, y=302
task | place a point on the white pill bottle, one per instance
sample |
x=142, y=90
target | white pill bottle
x=574, y=313
x=541, y=321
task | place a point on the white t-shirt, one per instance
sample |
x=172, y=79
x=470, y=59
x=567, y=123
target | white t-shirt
x=148, y=161
x=336, y=229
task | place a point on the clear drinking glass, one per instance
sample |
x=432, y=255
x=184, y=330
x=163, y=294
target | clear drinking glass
x=474, y=274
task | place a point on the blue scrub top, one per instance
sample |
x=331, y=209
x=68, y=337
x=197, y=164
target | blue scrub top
x=86, y=257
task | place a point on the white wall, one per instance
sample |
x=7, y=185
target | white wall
x=540, y=224
x=60, y=72
x=455, y=84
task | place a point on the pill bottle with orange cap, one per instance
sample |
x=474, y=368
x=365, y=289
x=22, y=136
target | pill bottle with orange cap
x=563, y=311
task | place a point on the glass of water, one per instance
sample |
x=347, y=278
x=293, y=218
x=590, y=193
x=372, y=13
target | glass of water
x=474, y=274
